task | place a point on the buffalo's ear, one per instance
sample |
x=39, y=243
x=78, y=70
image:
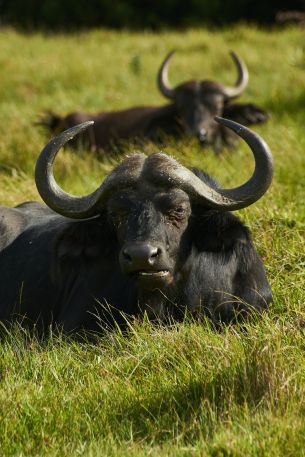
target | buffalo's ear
x=215, y=231
x=245, y=113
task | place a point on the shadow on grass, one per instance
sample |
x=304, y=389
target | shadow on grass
x=196, y=409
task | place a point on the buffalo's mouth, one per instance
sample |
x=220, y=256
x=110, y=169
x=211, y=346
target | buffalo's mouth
x=152, y=279
x=152, y=274
x=203, y=143
x=204, y=140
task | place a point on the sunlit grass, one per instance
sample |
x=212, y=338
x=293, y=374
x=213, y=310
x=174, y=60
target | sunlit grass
x=185, y=390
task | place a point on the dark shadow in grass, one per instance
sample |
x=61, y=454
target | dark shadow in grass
x=196, y=409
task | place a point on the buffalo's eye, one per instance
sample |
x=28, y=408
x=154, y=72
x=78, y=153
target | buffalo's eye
x=179, y=210
x=177, y=213
x=118, y=217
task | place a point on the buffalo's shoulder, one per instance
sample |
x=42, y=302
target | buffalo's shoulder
x=163, y=121
x=14, y=221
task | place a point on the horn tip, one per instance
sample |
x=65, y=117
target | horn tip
x=230, y=124
x=73, y=131
x=85, y=125
x=170, y=54
x=224, y=120
x=235, y=56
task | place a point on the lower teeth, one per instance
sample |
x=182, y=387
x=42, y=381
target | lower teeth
x=157, y=273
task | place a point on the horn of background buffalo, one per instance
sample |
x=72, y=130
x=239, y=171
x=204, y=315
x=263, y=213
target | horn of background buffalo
x=242, y=79
x=166, y=170
x=163, y=82
x=70, y=205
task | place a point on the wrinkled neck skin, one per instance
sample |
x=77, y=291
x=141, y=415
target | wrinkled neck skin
x=187, y=295
x=164, y=305
x=159, y=305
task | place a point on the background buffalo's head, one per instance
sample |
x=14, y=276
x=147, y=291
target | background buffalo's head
x=198, y=102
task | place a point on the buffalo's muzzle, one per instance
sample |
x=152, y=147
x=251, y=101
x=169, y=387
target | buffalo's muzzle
x=145, y=263
x=202, y=135
x=139, y=256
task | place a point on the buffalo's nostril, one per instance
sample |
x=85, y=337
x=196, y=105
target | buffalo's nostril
x=155, y=252
x=126, y=255
x=140, y=256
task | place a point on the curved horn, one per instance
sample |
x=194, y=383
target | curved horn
x=242, y=79
x=69, y=205
x=162, y=78
x=222, y=199
x=159, y=168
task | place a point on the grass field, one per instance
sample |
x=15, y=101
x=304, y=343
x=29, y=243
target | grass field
x=161, y=392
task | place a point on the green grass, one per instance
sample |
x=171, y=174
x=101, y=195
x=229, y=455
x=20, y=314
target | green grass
x=180, y=391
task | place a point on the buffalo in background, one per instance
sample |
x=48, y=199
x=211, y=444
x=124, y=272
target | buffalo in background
x=155, y=237
x=191, y=111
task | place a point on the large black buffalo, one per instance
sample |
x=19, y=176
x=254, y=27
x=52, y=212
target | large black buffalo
x=191, y=111
x=154, y=237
